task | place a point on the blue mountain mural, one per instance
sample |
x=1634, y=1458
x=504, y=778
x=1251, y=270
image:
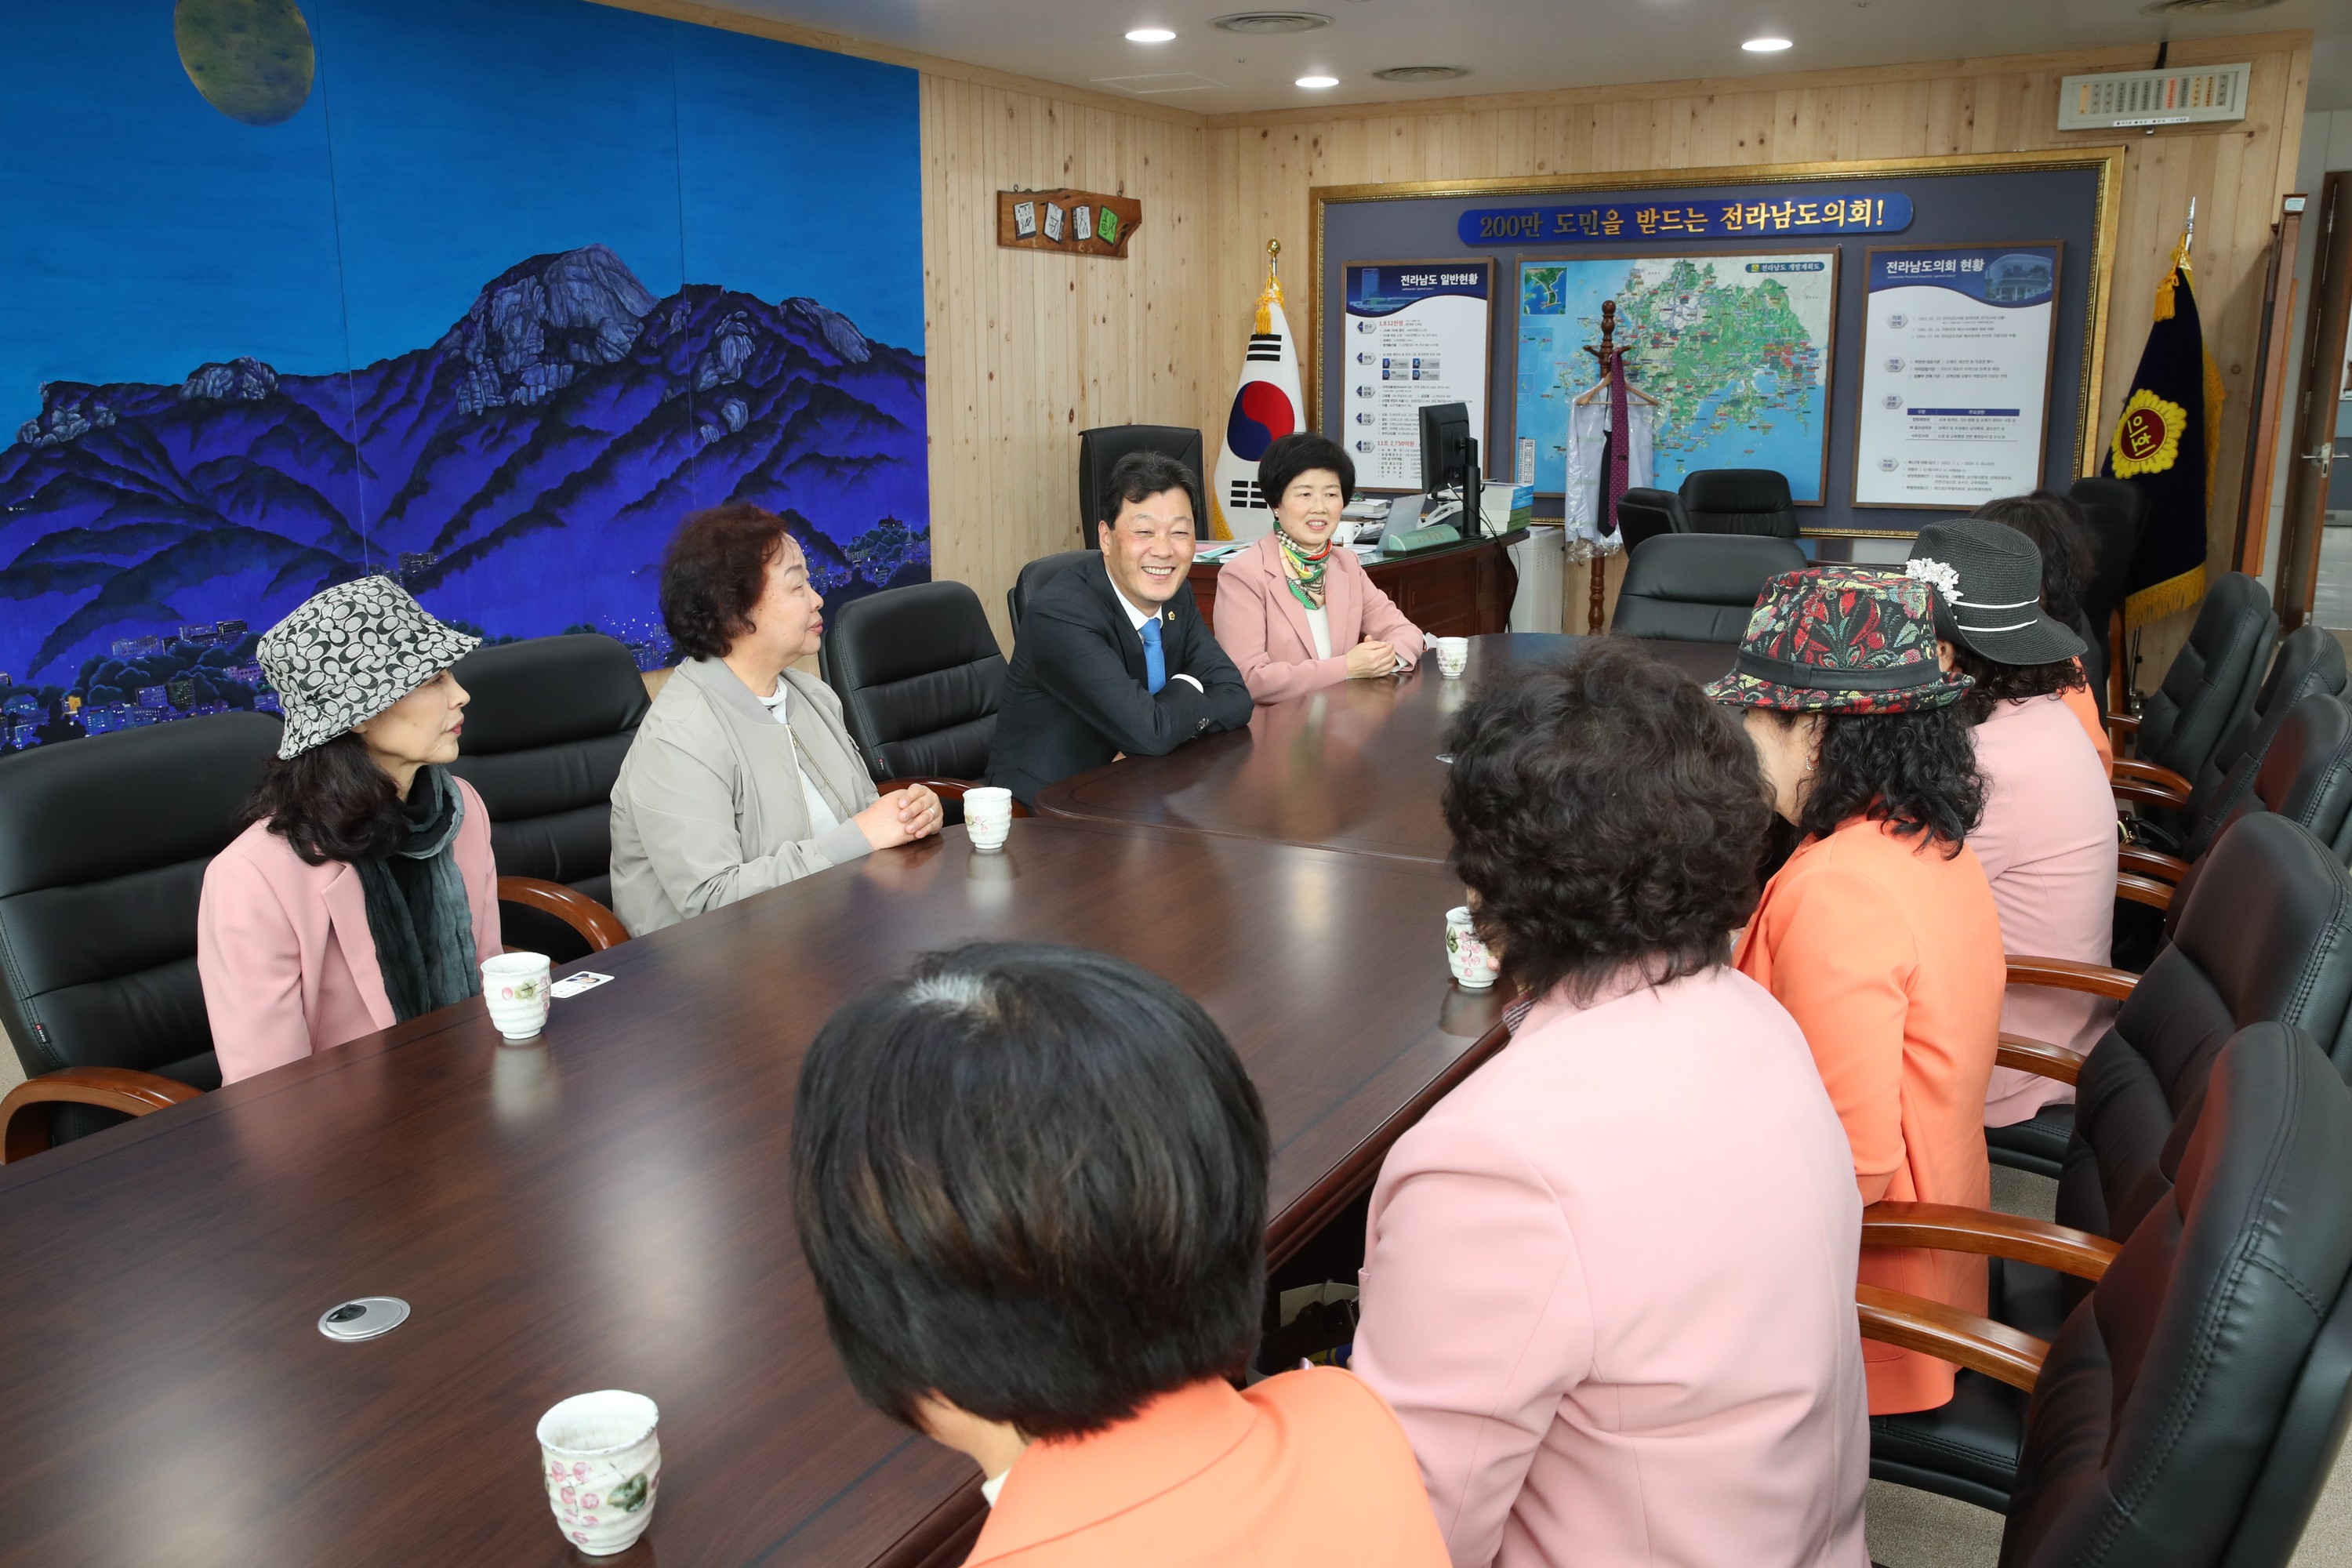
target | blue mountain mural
x=520, y=474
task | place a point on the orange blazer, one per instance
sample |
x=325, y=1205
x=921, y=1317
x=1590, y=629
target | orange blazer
x=1263, y=626
x=1309, y=1466
x=1888, y=956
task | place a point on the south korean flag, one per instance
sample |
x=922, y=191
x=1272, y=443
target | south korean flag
x=1267, y=405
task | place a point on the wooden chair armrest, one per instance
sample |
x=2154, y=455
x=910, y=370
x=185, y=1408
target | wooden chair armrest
x=2141, y=792
x=125, y=1090
x=2065, y=975
x=2040, y=1058
x=1948, y=1227
x=946, y=789
x=2154, y=774
x=2153, y=863
x=599, y=927
x=2146, y=890
x=1916, y=1323
x=2122, y=723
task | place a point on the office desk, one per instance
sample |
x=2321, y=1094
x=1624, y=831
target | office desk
x=611, y=1209
x=1353, y=767
x=1454, y=591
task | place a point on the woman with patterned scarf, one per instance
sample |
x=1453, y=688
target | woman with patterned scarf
x=363, y=893
x=1285, y=604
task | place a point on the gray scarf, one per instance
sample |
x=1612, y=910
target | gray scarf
x=416, y=907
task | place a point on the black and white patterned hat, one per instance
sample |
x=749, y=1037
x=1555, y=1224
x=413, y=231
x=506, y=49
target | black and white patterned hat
x=349, y=653
x=1987, y=580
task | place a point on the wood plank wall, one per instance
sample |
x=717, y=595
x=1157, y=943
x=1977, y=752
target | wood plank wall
x=1262, y=166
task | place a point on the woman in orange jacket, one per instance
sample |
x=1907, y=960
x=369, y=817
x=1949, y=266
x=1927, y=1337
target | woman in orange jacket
x=1879, y=935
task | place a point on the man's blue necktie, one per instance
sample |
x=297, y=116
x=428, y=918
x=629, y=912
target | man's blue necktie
x=1155, y=658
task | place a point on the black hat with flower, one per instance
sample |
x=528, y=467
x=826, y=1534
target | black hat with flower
x=1839, y=639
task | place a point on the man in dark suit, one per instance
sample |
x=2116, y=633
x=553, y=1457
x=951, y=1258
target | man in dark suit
x=1113, y=658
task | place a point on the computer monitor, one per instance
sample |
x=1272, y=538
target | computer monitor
x=1449, y=455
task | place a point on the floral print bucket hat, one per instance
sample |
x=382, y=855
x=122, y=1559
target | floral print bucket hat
x=1839, y=639
x=348, y=653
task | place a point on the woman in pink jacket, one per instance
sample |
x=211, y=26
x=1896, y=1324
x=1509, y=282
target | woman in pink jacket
x=1609, y=1280
x=1293, y=612
x=363, y=893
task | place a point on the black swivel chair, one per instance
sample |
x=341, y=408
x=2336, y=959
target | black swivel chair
x=2213, y=680
x=1697, y=587
x=1100, y=448
x=1739, y=500
x=2118, y=515
x=2188, y=1411
x=1037, y=574
x=550, y=721
x=103, y=846
x=1642, y=514
x=919, y=676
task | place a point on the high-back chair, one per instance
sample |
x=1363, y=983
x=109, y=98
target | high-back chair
x=1037, y=574
x=1739, y=500
x=919, y=676
x=2189, y=1410
x=2212, y=681
x=103, y=846
x=1101, y=449
x=2116, y=513
x=1644, y=514
x=549, y=722
x=1699, y=587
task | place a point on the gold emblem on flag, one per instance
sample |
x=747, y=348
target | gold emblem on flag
x=2147, y=436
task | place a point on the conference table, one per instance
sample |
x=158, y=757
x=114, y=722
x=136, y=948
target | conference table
x=609, y=1206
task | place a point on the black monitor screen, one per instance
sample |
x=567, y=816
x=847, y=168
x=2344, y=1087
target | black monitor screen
x=1445, y=446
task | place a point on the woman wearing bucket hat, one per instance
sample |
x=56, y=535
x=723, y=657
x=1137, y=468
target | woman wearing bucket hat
x=2047, y=842
x=363, y=893
x=2056, y=525
x=1879, y=934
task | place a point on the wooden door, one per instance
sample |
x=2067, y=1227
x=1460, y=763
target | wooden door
x=2315, y=401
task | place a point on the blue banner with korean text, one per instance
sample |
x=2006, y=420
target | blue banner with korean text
x=1602, y=222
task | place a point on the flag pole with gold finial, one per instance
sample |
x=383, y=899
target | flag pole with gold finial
x=1271, y=295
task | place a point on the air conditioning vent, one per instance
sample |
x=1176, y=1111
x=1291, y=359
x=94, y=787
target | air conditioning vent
x=1264, y=23
x=2120, y=98
x=1423, y=73
x=2203, y=8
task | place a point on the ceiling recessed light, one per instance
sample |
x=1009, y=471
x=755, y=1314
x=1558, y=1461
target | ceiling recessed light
x=1318, y=81
x=1149, y=35
x=1765, y=46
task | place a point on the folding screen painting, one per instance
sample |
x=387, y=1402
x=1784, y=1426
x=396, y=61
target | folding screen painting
x=482, y=296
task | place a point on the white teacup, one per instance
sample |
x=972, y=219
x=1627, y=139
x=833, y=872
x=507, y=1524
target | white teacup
x=600, y=1455
x=988, y=816
x=515, y=984
x=1452, y=652
x=1473, y=966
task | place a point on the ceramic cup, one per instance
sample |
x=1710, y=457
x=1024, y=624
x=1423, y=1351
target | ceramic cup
x=600, y=1458
x=988, y=816
x=1452, y=652
x=1464, y=953
x=515, y=985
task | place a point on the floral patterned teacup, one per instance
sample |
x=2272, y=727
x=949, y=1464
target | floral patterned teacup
x=515, y=987
x=600, y=1458
x=1473, y=966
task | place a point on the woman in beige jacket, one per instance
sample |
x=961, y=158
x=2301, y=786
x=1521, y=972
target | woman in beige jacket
x=741, y=778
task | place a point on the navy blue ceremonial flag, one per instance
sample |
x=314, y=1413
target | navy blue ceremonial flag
x=2165, y=442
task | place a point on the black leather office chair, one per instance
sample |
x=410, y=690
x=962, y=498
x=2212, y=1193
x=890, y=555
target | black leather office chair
x=103, y=846
x=2117, y=514
x=2188, y=1411
x=1101, y=447
x=550, y=720
x=919, y=675
x=1699, y=587
x=1037, y=574
x=1644, y=514
x=2213, y=680
x=1739, y=500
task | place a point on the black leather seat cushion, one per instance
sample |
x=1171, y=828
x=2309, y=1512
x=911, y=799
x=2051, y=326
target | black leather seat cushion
x=919, y=677
x=1699, y=587
x=1739, y=500
x=1644, y=514
x=2037, y=1144
x=2214, y=679
x=1966, y=1449
x=103, y=846
x=1037, y=574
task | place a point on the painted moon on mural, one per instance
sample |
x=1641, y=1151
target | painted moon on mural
x=252, y=60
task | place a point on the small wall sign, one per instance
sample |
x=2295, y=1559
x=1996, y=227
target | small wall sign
x=1081, y=223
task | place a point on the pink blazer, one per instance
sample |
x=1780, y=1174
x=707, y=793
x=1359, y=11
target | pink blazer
x=1608, y=1289
x=283, y=948
x=1263, y=626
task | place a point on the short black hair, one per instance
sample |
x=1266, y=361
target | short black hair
x=714, y=571
x=2059, y=529
x=1031, y=1180
x=1917, y=771
x=1300, y=454
x=1140, y=475
x=1606, y=813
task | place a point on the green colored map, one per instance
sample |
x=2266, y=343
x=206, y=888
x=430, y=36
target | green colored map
x=1733, y=348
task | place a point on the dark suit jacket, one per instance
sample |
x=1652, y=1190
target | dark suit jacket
x=1074, y=697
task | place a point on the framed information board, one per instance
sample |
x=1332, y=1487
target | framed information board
x=1417, y=333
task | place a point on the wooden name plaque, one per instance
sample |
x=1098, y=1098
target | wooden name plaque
x=1080, y=223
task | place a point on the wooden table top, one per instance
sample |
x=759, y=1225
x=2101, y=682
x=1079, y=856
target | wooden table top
x=1353, y=767
x=610, y=1209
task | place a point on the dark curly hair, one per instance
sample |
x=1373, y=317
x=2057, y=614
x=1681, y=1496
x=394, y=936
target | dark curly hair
x=2056, y=525
x=1606, y=813
x=1302, y=454
x=1998, y=683
x=330, y=802
x=1917, y=771
x=714, y=570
